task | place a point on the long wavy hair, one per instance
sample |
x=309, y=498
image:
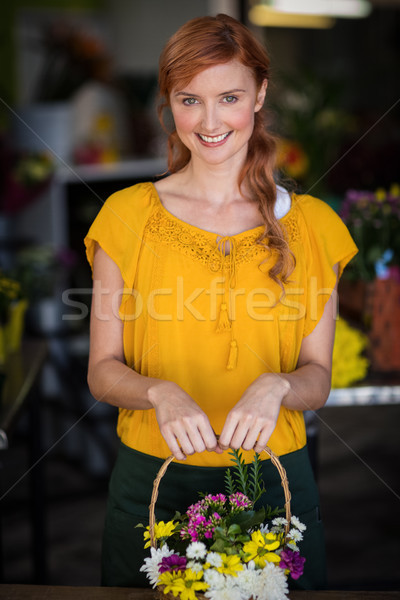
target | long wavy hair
x=204, y=42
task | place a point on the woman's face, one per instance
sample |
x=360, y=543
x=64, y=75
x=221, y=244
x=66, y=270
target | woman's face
x=214, y=113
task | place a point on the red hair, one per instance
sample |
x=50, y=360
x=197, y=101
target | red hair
x=208, y=41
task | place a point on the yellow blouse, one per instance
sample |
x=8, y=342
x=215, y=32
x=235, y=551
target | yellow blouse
x=199, y=309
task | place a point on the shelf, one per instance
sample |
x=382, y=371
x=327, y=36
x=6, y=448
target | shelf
x=125, y=169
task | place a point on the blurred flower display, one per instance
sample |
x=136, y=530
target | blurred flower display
x=42, y=270
x=72, y=56
x=10, y=292
x=373, y=220
x=12, y=312
x=349, y=365
x=292, y=159
x=23, y=177
x=312, y=126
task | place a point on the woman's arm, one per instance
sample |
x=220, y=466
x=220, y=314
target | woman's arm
x=184, y=426
x=252, y=420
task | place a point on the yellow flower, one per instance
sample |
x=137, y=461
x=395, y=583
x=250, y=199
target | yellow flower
x=395, y=190
x=192, y=585
x=380, y=194
x=173, y=582
x=184, y=584
x=348, y=366
x=161, y=530
x=230, y=564
x=260, y=548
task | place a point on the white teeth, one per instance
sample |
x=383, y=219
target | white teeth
x=211, y=140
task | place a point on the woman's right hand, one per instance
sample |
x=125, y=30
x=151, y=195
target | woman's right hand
x=184, y=426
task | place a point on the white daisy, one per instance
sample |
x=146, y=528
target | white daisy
x=195, y=566
x=247, y=581
x=151, y=563
x=292, y=545
x=297, y=523
x=214, y=559
x=295, y=535
x=215, y=580
x=196, y=550
x=264, y=528
x=229, y=592
x=251, y=565
x=279, y=522
x=271, y=584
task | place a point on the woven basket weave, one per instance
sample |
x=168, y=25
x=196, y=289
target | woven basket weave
x=284, y=482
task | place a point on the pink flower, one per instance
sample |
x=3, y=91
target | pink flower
x=239, y=500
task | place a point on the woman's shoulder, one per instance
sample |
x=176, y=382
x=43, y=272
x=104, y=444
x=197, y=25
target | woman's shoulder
x=138, y=196
x=125, y=212
x=314, y=213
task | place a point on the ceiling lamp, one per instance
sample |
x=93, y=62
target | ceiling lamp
x=308, y=13
x=353, y=9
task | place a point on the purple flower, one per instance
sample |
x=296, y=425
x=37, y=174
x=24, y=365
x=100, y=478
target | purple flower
x=172, y=563
x=292, y=561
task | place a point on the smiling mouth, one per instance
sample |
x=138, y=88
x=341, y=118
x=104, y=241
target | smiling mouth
x=214, y=139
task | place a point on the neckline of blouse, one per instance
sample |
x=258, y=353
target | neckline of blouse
x=216, y=236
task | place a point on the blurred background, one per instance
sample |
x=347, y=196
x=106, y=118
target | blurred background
x=78, y=91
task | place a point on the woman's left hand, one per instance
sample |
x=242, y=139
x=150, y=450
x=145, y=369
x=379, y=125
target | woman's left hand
x=252, y=420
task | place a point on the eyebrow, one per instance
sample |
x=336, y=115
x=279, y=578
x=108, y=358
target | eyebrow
x=235, y=91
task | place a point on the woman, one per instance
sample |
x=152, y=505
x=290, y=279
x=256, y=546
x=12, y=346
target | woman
x=213, y=306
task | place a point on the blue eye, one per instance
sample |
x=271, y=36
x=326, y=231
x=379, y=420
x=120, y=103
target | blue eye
x=189, y=101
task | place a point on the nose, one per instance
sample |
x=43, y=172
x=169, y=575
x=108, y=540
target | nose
x=210, y=118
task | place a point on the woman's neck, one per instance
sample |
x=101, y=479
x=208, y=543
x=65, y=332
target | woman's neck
x=217, y=184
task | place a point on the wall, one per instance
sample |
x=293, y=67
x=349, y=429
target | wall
x=140, y=29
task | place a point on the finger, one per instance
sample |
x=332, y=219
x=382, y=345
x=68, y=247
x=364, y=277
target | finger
x=196, y=440
x=245, y=434
x=250, y=439
x=173, y=445
x=262, y=441
x=228, y=431
x=185, y=443
x=208, y=435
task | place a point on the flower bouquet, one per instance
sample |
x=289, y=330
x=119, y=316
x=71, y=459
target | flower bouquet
x=372, y=219
x=12, y=314
x=222, y=547
x=349, y=365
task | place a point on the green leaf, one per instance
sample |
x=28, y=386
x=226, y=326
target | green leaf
x=249, y=518
x=218, y=546
x=230, y=486
x=256, y=485
x=240, y=471
x=220, y=532
x=243, y=538
x=234, y=529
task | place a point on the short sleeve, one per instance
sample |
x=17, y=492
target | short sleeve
x=118, y=229
x=326, y=242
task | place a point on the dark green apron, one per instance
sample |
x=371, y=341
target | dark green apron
x=129, y=498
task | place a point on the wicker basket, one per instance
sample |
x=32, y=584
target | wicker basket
x=284, y=482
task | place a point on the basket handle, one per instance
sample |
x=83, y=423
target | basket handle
x=275, y=461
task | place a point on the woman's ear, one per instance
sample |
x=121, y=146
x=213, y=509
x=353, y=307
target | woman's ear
x=261, y=95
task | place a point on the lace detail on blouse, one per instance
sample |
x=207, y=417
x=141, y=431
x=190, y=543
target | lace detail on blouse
x=291, y=226
x=201, y=246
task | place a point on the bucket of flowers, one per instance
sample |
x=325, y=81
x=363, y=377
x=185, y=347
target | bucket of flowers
x=223, y=547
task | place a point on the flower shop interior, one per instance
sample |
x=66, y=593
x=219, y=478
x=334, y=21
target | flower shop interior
x=78, y=94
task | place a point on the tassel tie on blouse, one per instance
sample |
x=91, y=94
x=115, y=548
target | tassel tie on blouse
x=227, y=248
